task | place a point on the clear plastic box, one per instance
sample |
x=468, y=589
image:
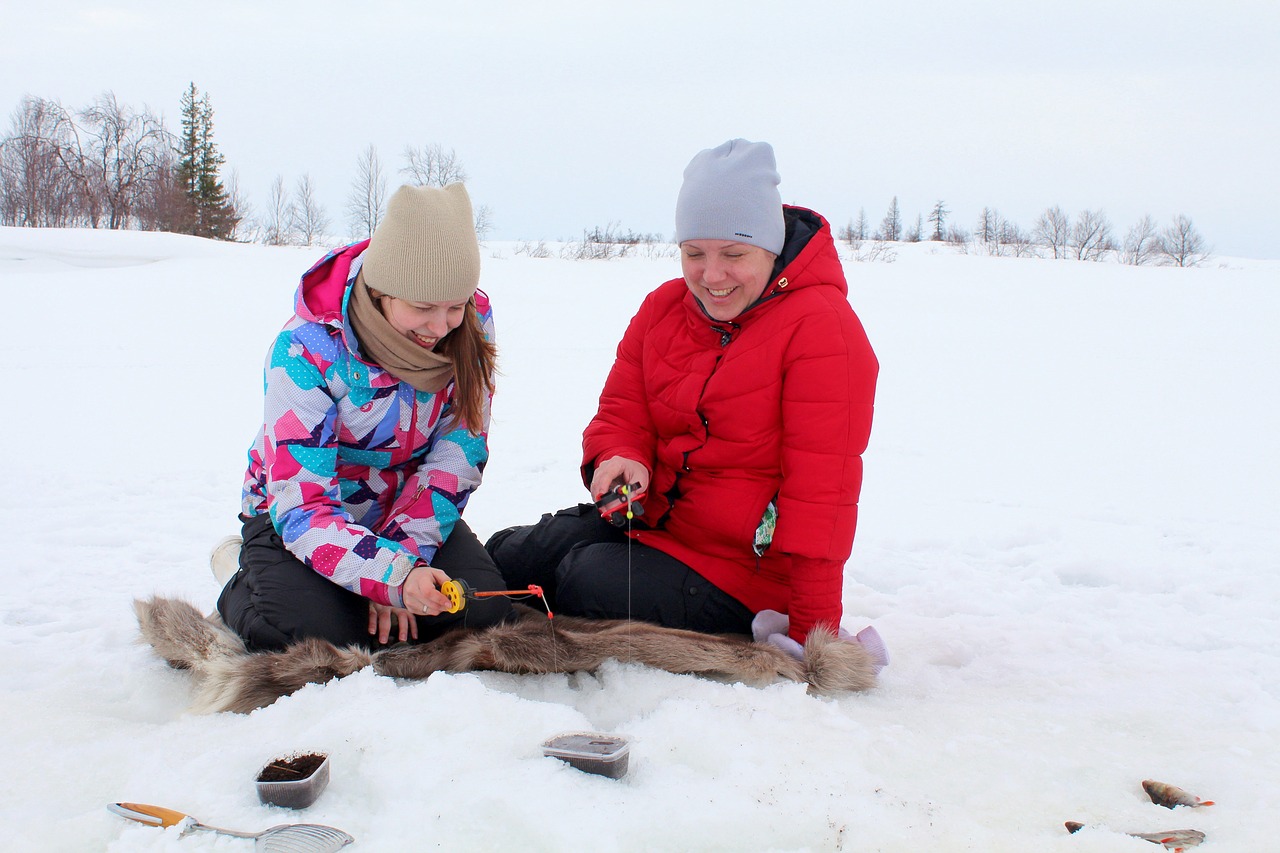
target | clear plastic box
x=293, y=781
x=591, y=752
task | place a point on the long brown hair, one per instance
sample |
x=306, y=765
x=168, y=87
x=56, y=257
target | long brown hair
x=475, y=361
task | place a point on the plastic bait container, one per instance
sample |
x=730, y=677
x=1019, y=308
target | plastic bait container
x=591, y=752
x=293, y=781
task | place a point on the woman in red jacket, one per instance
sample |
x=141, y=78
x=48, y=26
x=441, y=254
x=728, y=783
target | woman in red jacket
x=739, y=405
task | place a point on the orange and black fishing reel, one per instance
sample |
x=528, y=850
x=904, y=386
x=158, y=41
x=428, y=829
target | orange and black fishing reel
x=621, y=503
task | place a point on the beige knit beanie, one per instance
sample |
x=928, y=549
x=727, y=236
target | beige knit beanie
x=425, y=248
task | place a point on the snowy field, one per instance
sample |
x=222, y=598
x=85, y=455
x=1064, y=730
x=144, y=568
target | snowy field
x=1070, y=540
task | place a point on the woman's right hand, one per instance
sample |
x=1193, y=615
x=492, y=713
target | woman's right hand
x=383, y=619
x=617, y=468
x=421, y=591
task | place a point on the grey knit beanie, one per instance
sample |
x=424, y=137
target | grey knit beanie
x=425, y=248
x=730, y=192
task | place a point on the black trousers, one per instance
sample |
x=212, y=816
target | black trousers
x=275, y=599
x=588, y=567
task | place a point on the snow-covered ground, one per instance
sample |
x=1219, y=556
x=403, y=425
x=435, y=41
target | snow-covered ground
x=1070, y=540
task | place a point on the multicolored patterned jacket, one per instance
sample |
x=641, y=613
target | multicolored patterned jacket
x=363, y=475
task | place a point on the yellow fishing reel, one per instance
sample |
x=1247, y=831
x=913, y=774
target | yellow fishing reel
x=456, y=591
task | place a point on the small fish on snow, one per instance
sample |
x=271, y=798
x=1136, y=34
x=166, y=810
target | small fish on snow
x=1174, y=839
x=1166, y=795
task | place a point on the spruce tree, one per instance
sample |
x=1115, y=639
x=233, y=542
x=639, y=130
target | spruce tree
x=209, y=211
x=186, y=177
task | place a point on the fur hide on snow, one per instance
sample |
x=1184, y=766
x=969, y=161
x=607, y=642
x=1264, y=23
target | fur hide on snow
x=230, y=678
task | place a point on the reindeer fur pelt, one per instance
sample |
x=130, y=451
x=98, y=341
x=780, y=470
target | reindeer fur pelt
x=230, y=678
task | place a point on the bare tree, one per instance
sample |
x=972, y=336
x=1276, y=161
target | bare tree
x=123, y=148
x=1091, y=236
x=1052, y=229
x=860, y=227
x=891, y=225
x=241, y=210
x=484, y=221
x=162, y=201
x=1012, y=240
x=988, y=230
x=849, y=234
x=77, y=167
x=277, y=219
x=432, y=166
x=368, y=195
x=1182, y=245
x=1141, y=243
x=309, y=220
x=958, y=236
x=995, y=235
x=916, y=232
x=938, y=218
x=38, y=190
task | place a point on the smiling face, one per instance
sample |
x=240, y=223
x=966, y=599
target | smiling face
x=724, y=276
x=424, y=323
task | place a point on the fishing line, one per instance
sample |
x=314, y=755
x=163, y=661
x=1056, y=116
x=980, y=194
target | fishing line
x=620, y=492
x=459, y=592
x=631, y=649
x=626, y=490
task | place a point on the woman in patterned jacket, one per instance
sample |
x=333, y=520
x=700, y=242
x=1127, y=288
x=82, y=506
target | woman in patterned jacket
x=374, y=436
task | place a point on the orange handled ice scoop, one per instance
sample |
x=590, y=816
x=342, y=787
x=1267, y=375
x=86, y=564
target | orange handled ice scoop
x=291, y=837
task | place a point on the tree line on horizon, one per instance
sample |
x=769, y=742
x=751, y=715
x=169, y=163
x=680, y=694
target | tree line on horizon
x=1087, y=237
x=109, y=165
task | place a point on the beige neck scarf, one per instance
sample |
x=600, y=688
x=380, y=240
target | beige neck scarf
x=424, y=369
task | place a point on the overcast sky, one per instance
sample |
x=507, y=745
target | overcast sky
x=568, y=115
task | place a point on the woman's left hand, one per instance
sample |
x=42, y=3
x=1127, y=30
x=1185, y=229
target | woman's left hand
x=383, y=616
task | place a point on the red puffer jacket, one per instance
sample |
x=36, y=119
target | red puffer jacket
x=728, y=416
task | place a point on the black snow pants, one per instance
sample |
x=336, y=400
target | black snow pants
x=587, y=567
x=275, y=599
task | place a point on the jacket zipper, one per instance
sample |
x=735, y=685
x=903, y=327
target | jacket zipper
x=413, y=426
